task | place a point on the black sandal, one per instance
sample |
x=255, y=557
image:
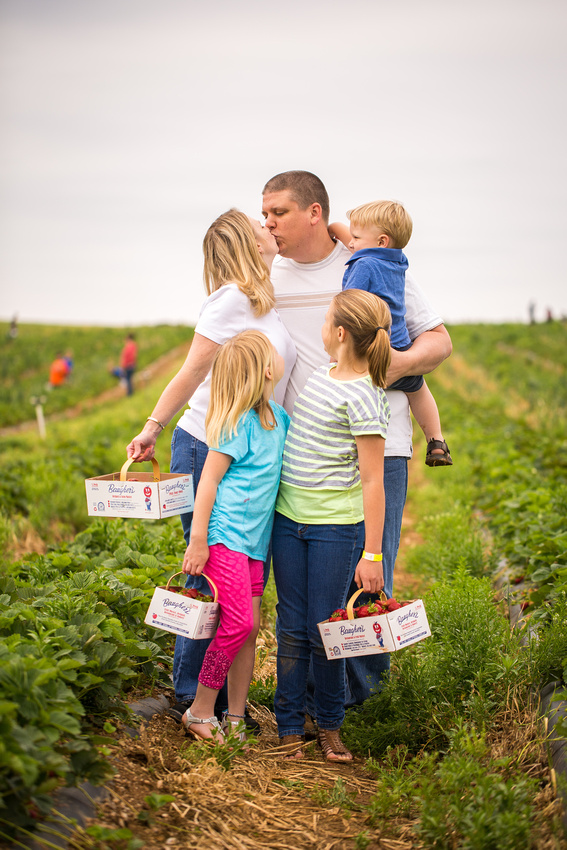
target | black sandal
x=435, y=458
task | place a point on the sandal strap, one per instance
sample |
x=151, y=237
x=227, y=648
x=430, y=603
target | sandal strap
x=190, y=720
x=330, y=742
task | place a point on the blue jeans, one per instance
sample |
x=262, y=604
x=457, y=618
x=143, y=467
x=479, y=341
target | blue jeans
x=188, y=455
x=313, y=569
x=365, y=672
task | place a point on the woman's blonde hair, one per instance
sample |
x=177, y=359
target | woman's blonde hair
x=232, y=256
x=367, y=319
x=238, y=379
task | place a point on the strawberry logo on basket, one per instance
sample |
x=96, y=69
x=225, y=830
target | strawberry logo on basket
x=154, y=616
x=147, y=491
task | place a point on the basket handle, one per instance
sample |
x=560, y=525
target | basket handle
x=211, y=582
x=354, y=597
x=130, y=460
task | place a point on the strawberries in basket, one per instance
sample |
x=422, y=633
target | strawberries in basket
x=192, y=593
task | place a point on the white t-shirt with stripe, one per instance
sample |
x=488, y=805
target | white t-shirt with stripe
x=320, y=480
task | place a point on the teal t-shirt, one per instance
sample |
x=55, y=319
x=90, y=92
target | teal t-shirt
x=243, y=512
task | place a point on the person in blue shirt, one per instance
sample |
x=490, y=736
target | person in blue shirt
x=233, y=518
x=378, y=232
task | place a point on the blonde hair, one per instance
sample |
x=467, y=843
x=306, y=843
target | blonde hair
x=367, y=319
x=390, y=216
x=232, y=256
x=238, y=379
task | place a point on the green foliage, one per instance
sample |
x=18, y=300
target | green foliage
x=463, y=671
x=25, y=362
x=464, y=799
x=72, y=641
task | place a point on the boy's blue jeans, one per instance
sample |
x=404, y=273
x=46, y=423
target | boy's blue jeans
x=313, y=568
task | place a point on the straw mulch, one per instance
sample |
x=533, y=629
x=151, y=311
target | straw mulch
x=263, y=801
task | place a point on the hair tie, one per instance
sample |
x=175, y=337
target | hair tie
x=379, y=328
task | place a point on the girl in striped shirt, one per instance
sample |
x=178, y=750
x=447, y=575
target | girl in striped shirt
x=330, y=511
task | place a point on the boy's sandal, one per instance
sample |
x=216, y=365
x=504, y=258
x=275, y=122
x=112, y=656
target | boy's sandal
x=292, y=746
x=332, y=746
x=438, y=454
x=189, y=720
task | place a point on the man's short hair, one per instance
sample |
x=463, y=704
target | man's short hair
x=389, y=216
x=304, y=187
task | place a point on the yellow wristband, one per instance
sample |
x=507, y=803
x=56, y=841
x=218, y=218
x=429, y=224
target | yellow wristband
x=369, y=556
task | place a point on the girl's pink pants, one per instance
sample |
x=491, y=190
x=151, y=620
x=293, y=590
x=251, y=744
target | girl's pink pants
x=238, y=578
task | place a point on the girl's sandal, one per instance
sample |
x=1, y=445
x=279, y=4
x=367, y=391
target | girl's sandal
x=332, y=746
x=189, y=720
x=237, y=727
x=292, y=746
x=438, y=454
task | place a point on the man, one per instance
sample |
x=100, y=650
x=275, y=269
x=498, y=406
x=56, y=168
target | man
x=306, y=275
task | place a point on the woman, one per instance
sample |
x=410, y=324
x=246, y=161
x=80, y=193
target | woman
x=238, y=255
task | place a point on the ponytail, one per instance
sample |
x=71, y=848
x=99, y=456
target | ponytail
x=367, y=319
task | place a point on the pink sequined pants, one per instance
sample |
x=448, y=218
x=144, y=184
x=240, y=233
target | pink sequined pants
x=238, y=578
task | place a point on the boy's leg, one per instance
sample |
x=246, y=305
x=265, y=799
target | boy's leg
x=424, y=408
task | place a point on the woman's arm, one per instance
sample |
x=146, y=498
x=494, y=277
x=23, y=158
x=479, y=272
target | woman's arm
x=369, y=574
x=197, y=553
x=428, y=351
x=177, y=393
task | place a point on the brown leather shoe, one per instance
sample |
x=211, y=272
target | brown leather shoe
x=292, y=746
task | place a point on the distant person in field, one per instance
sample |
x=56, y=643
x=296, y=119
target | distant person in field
x=128, y=361
x=378, y=232
x=58, y=371
x=13, y=329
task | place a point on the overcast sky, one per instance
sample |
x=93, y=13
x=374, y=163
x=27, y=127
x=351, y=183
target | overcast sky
x=127, y=126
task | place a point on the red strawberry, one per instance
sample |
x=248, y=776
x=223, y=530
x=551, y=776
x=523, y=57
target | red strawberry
x=371, y=609
x=392, y=605
x=190, y=592
x=339, y=614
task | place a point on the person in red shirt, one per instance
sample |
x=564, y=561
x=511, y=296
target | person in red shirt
x=58, y=371
x=128, y=360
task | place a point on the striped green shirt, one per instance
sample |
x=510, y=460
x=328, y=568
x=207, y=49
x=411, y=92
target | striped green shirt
x=320, y=478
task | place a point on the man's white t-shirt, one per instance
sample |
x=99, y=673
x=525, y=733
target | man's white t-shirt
x=303, y=294
x=224, y=314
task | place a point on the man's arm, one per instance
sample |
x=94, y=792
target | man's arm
x=428, y=351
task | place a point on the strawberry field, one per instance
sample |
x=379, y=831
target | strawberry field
x=450, y=754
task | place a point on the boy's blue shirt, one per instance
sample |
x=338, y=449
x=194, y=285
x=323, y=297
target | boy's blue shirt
x=382, y=271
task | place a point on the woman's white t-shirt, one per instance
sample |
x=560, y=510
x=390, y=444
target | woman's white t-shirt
x=224, y=314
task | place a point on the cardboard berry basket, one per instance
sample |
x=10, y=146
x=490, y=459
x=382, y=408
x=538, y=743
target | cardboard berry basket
x=140, y=495
x=172, y=611
x=377, y=634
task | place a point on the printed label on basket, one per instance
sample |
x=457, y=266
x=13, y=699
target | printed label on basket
x=374, y=635
x=181, y=615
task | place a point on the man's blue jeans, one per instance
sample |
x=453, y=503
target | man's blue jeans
x=365, y=672
x=313, y=569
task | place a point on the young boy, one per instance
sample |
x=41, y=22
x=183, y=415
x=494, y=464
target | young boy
x=378, y=232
